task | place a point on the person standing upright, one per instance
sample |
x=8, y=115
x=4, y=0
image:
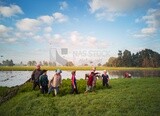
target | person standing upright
x=74, y=83
x=105, y=78
x=55, y=82
x=35, y=77
x=43, y=80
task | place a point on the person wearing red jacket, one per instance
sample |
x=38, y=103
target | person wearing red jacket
x=90, y=82
x=73, y=83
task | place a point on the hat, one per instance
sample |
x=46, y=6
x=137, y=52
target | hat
x=58, y=71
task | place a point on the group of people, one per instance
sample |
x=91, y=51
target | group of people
x=39, y=78
x=92, y=78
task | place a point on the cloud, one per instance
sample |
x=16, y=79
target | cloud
x=6, y=34
x=46, y=19
x=28, y=24
x=151, y=19
x=63, y=5
x=47, y=29
x=110, y=9
x=148, y=31
x=8, y=11
x=4, y=29
x=75, y=37
x=75, y=40
x=59, y=17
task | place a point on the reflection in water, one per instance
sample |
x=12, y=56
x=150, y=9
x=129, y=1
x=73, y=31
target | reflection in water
x=13, y=78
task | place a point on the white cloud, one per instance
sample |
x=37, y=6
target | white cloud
x=110, y=9
x=28, y=24
x=75, y=37
x=63, y=5
x=47, y=29
x=38, y=29
x=8, y=11
x=46, y=19
x=91, y=39
x=148, y=30
x=6, y=34
x=4, y=29
x=59, y=17
x=11, y=40
x=75, y=40
x=151, y=19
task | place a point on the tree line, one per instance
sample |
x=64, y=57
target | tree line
x=7, y=63
x=143, y=58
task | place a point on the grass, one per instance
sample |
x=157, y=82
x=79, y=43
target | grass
x=31, y=68
x=140, y=96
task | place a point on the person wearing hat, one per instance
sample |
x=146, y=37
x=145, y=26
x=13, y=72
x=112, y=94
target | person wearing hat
x=43, y=80
x=73, y=83
x=35, y=76
x=55, y=82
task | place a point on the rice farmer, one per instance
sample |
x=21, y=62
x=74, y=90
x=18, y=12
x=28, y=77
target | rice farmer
x=55, y=82
x=74, y=83
x=105, y=78
x=94, y=77
x=89, y=83
x=35, y=76
x=43, y=80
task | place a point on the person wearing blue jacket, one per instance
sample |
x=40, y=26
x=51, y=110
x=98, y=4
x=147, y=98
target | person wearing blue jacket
x=43, y=81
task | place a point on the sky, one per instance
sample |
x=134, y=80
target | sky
x=88, y=29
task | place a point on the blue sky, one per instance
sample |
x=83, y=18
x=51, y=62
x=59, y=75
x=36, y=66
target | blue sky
x=30, y=28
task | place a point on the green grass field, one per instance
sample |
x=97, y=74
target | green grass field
x=30, y=68
x=133, y=97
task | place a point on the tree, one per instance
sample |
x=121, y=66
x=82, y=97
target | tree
x=127, y=58
x=11, y=63
x=144, y=58
x=111, y=61
x=31, y=63
x=119, y=60
x=40, y=63
x=99, y=64
x=8, y=62
x=52, y=63
x=69, y=63
x=45, y=63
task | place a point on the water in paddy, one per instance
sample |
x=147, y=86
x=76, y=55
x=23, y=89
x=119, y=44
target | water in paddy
x=13, y=78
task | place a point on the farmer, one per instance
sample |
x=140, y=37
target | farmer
x=35, y=76
x=94, y=77
x=90, y=83
x=105, y=78
x=55, y=82
x=73, y=83
x=43, y=80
